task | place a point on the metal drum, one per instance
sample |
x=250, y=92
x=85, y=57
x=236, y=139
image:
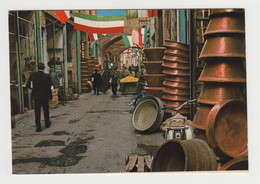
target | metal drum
x=154, y=54
x=201, y=115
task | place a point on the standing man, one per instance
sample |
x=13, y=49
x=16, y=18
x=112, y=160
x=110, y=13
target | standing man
x=40, y=83
x=114, y=81
x=96, y=79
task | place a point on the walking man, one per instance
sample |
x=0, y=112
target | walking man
x=114, y=81
x=40, y=83
x=96, y=79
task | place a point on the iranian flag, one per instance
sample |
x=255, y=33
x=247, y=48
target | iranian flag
x=63, y=15
x=94, y=36
x=99, y=24
x=139, y=36
x=128, y=41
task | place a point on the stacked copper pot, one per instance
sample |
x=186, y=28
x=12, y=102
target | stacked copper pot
x=224, y=54
x=154, y=76
x=176, y=84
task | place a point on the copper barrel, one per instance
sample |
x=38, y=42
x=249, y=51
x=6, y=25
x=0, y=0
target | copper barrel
x=201, y=115
x=177, y=78
x=223, y=71
x=154, y=54
x=213, y=92
x=175, y=59
x=176, y=45
x=154, y=91
x=226, y=127
x=176, y=97
x=179, y=53
x=238, y=163
x=225, y=12
x=176, y=91
x=184, y=155
x=224, y=47
x=180, y=85
x=176, y=72
x=154, y=80
x=233, y=24
x=172, y=65
x=153, y=67
x=148, y=114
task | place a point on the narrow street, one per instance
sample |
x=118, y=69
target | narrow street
x=92, y=134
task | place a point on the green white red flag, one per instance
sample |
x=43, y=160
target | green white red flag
x=128, y=41
x=63, y=15
x=94, y=36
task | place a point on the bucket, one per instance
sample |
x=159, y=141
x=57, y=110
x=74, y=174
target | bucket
x=184, y=155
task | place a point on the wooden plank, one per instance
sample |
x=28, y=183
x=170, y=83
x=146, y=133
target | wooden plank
x=131, y=163
x=140, y=164
x=148, y=160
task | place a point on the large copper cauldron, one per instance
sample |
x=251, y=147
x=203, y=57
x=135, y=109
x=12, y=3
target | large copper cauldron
x=176, y=97
x=200, y=117
x=184, y=155
x=177, y=78
x=154, y=54
x=175, y=59
x=153, y=67
x=176, y=91
x=226, y=127
x=174, y=52
x=238, y=163
x=176, y=45
x=173, y=65
x=154, y=91
x=154, y=80
x=223, y=71
x=225, y=12
x=176, y=72
x=180, y=85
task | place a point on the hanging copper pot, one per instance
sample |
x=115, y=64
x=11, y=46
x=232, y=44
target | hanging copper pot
x=177, y=78
x=154, y=80
x=226, y=127
x=228, y=24
x=153, y=67
x=223, y=71
x=176, y=45
x=176, y=97
x=175, y=59
x=154, y=91
x=213, y=92
x=179, y=53
x=225, y=12
x=173, y=65
x=176, y=72
x=176, y=91
x=154, y=54
x=179, y=85
x=224, y=47
x=238, y=163
x=201, y=115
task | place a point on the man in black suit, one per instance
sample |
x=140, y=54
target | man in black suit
x=41, y=94
x=96, y=79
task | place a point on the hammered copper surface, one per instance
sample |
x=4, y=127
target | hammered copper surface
x=184, y=155
x=178, y=53
x=176, y=97
x=175, y=59
x=223, y=71
x=214, y=92
x=201, y=115
x=224, y=47
x=172, y=65
x=179, y=85
x=176, y=72
x=153, y=67
x=226, y=127
x=176, y=91
x=154, y=80
x=225, y=12
x=218, y=25
x=154, y=91
x=177, y=78
x=238, y=163
x=154, y=53
x=176, y=45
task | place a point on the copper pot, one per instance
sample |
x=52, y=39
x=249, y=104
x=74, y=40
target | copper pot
x=238, y=163
x=177, y=78
x=234, y=24
x=174, y=52
x=176, y=72
x=154, y=54
x=175, y=59
x=174, y=103
x=223, y=71
x=213, y=92
x=176, y=45
x=176, y=91
x=179, y=85
x=176, y=97
x=154, y=80
x=173, y=65
x=185, y=110
x=224, y=47
x=154, y=91
x=153, y=67
x=226, y=127
x=201, y=115
x=225, y=12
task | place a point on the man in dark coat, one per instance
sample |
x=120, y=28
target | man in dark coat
x=96, y=79
x=114, y=81
x=40, y=83
x=105, y=80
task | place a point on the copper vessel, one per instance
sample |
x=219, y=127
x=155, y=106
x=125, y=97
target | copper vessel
x=173, y=65
x=174, y=52
x=224, y=47
x=153, y=67
x=184, y=155
x=225, y=12
x=176, y=91
x=176, y=97
x=238, y=163
x=154, y=80
x=176, y=72
x=213, y=92
x=177, y=78
x=175, y=59
x=179, y=85
x=201, y=115
x=223, y=71
x=154, y=54
x=176, y=45
x=154, y=91
x=229, y=24
x=226, y=127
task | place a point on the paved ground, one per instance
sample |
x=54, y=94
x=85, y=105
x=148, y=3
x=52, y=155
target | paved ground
x=92, y=134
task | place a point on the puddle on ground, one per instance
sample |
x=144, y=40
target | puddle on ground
x=47, y=143
x=61, y=133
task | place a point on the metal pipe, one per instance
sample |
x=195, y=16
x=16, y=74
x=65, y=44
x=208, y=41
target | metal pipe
x=78, y=59
x=53, y=33
x=38, y=35
x=65, y=59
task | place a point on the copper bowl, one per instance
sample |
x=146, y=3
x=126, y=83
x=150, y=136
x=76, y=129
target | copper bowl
x=175, y=59
x=176, y=97
x=173, y=65
x=176, y=91
x=214, y=92
x=225, y=12
x=219, y=25
x=176, y=45
x=238, y=163
x=176, y=72
x=154, y=80
x=153, y=67
x=223, y=71
x=177, y=78
x=201, y=115
x=174, y=52
x=154, y=91
x=224, y=47
x=226, y=127
x=179, y=85
x=154, y=54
